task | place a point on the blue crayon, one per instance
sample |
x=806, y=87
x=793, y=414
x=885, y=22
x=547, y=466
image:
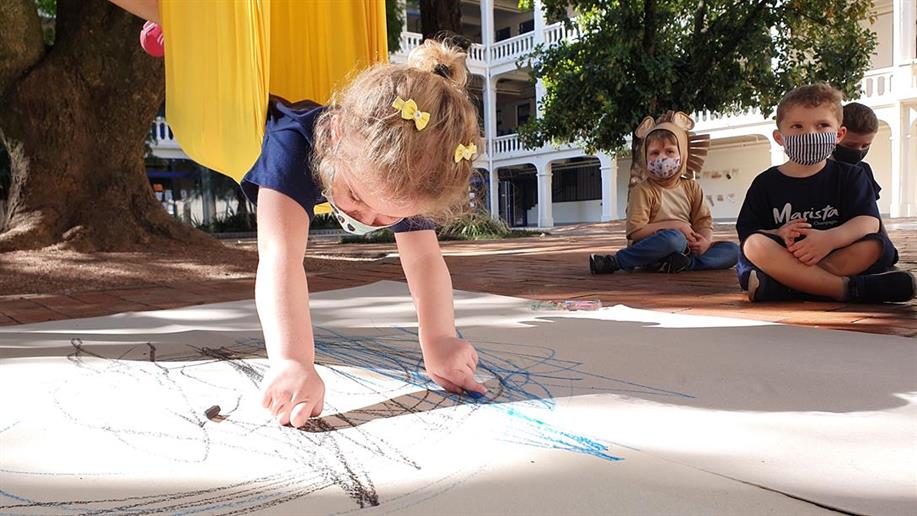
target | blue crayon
x=474, y=394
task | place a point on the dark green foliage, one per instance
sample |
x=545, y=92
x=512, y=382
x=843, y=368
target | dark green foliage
x=394, y=22
x=641, y=57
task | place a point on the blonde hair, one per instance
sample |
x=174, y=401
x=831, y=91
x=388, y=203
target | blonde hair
x=408, y=164
x=812, y=95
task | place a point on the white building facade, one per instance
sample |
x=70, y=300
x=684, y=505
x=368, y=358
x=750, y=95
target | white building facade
x=563, y=184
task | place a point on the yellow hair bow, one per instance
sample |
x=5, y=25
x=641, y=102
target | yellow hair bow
x=410, y=111
x=462, y=152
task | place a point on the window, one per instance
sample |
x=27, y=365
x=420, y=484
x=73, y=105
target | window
x=582, y=183
x=523, y=111
x=526, y=26
x=502, y=34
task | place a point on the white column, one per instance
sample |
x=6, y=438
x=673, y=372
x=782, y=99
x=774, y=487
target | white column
x=538, y=10
x=487, y=26
x=899, y=147
x=904, y=16
x=493, y=184
x=545, y=199
x=904, y=177
x=609, y=167
x=490, y=132
x=777, y=155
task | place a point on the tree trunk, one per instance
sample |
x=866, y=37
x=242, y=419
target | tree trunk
x=74, y=126
x=439, y=15
x=637, y=162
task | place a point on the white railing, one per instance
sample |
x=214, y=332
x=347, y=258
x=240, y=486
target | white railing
x=162, y=134
x=513, y=48
x=557, y=32
x=877, y=83
x=412, y=40
x=749, y=116
x=477, y=52
x=509, y=144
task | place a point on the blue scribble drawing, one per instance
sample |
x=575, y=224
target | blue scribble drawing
x=337, y=451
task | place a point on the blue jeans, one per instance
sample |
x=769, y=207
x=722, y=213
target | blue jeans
x=653, y=249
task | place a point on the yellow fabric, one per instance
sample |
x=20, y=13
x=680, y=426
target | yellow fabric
x=230, y=55
x=322, y=209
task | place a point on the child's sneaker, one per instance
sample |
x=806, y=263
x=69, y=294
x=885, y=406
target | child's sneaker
x=603, y=263
x=675, y=262
x=762, y=287
x=887, y=287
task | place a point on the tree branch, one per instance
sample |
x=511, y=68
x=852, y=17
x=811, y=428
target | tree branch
x=736, y=35
x=21, y=43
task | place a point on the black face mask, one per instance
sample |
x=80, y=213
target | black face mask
x=848, y=155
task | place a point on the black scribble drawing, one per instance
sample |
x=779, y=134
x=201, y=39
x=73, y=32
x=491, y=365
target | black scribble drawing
x=342, y=451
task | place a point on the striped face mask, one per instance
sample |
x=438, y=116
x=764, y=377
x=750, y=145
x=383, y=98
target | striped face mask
x=809, y=148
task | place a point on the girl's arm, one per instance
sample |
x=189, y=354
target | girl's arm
x=293, y=391
x=449, y=360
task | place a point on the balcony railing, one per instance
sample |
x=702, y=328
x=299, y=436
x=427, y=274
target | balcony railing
x=412, y=40
x=506, y=51
x=163, y=138
x=877, y=83
x=505, y=145
x=510, y=50
x=556, y=32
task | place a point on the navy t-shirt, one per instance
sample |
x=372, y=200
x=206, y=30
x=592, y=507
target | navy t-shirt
x=285, y=163
x=872, y=178
x=831, y=197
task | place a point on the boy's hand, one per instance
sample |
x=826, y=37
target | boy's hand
x=700, y=245
x=790, y=231
x=813, y=248
x=294, y=392
x=451, y=362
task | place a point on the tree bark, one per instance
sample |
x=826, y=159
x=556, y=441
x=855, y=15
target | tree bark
x=74, y=126
x=439, y=15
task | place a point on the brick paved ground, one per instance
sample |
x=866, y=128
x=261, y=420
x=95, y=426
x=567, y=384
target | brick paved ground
x=549, y=267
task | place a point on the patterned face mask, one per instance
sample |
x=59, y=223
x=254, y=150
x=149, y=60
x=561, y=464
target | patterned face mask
x=664, y=168
x=809, y=148
x=348, y=223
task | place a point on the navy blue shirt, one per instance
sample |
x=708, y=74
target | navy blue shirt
x=285, y=163
x=872, y=178
x=831, y=197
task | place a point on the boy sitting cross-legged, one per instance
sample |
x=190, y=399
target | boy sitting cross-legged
x=811, y=226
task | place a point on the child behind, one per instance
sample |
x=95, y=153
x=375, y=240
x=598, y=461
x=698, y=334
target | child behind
x=669, y=227
x=811, y=226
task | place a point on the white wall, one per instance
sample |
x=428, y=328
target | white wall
x=880, y=159
x=571, y=212
x=884, y=29
x=728, y=172
x=512, y=21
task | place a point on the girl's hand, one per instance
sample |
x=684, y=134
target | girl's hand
x=451, y=362
x=294, y=392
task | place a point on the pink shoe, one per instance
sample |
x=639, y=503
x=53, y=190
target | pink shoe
x=151, y=39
